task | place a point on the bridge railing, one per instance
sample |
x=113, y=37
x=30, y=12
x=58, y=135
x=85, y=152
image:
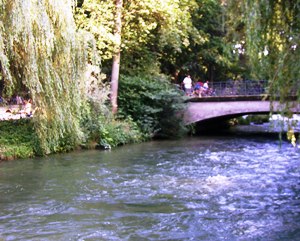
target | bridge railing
x=238, y=88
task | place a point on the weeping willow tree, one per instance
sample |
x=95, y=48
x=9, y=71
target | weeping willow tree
x=40, y=48
x=271, y=30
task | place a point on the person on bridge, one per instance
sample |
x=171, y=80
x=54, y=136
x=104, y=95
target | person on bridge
x=206, y=90
x=205, y=85
x=198, y=89
x=187, y=83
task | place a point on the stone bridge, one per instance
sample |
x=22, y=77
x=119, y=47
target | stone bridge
x=204, y=109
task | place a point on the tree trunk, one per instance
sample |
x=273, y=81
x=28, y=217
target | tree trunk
x=116, y=57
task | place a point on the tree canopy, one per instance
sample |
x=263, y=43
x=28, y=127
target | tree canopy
x=41, y=50
x=164, y=36
x=269, y=33
x=148, y=26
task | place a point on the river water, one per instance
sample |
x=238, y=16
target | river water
x=230, y=187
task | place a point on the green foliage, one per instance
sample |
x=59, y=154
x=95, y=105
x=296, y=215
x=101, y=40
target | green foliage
x=40, y=48
x=97, y=17
x=147, y=28
x=113, y=133
x=209, y=57
x=153, y=103
x=17, y=138
x=101, y=129
x=168, y=36
x=269, y=30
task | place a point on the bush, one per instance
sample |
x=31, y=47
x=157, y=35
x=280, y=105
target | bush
x=17, y=138
x=118, y=132
x=100, y=128
x=154, y=104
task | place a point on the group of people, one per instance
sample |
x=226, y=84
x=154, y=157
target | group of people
x=20, y=106
x=198, y=89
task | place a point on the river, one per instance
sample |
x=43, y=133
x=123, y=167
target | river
x=228, y=187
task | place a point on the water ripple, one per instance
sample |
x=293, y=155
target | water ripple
x=193, y=189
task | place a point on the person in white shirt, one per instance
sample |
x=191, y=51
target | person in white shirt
x=187, y=83
x=205, y=85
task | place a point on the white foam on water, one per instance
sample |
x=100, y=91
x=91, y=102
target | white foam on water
x=218, y=181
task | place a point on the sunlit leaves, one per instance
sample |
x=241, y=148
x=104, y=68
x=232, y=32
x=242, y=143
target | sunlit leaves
x=40, y=49
x=147, y=27
x=272, y=39
x=97, y=17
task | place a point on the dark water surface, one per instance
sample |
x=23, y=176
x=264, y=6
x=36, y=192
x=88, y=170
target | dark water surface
x=201, y=188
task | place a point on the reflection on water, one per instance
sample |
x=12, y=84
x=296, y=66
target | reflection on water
x=202, y=188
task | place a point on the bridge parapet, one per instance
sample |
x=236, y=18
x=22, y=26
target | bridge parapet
x=239, y=88
x=244, y=88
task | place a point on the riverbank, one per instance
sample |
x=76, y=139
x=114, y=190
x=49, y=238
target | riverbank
x=18, y=138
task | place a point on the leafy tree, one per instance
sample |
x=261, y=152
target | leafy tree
x=210, y=56
x=269, y=30
x=154, y=104
x=41, y=49
x=148, y=26
x=98, y=18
